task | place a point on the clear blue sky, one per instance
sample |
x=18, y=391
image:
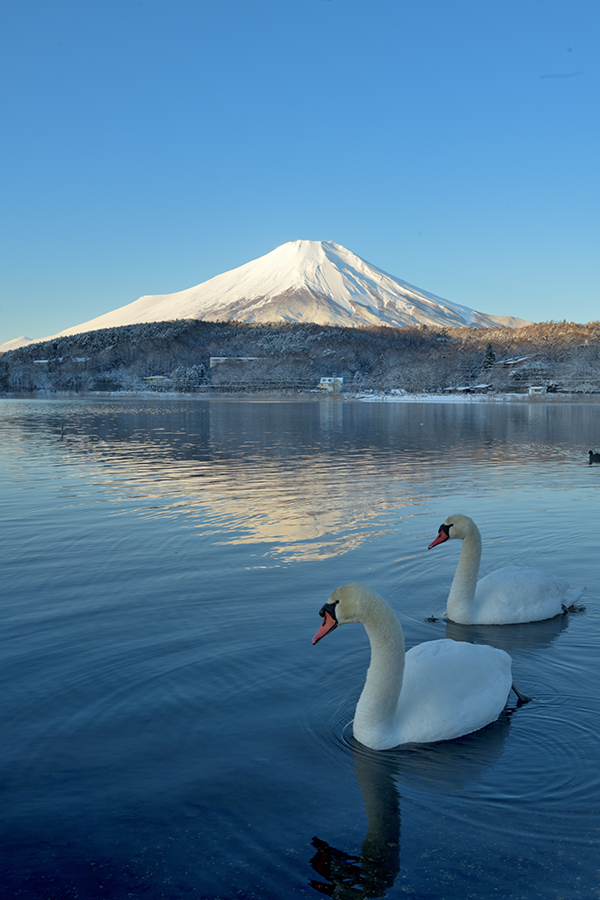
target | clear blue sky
x=151, y=144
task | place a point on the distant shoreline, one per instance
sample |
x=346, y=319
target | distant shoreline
x=338, y=397
x=479, y=398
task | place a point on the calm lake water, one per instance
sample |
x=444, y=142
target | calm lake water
x=169, y=731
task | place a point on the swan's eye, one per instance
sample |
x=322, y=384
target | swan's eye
x=445, y=528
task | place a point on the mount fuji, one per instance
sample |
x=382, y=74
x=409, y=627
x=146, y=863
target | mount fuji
x=301, y=281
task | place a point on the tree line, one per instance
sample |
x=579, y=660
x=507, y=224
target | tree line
x=181, y=355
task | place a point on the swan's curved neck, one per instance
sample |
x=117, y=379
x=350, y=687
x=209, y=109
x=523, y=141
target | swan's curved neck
x=461, y=599
x=378, y=702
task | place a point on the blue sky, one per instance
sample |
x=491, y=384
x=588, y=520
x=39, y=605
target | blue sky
x=150, y=145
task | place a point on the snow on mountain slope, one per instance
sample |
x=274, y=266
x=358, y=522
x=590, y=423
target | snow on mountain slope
x=301, y=281
x=15, y=343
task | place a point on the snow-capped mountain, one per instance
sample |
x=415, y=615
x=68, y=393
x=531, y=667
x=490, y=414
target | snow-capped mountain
x=301, y=281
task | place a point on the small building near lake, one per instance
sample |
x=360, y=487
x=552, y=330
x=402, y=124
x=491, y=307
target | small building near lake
x=333, y=383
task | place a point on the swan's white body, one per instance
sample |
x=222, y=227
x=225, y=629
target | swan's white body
x=437, y=691
x=504, y=597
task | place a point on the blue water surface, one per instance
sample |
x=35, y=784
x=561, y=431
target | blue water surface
x=168, y=729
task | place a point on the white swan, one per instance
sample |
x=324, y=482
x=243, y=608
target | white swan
x=504, y=597
x=437, y=691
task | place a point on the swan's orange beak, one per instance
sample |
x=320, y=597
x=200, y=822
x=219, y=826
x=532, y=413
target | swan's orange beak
x=442, y=536
x=327, y=625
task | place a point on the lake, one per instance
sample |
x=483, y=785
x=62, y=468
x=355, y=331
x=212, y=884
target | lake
x=168, y=729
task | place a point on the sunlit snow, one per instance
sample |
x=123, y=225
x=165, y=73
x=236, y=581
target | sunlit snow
x=301, y=281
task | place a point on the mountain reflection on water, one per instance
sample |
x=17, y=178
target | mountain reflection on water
x=245, y=469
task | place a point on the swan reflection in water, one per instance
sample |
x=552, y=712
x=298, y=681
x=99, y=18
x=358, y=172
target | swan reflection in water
x=441, y=768
x=375, y=870
x=522, y=636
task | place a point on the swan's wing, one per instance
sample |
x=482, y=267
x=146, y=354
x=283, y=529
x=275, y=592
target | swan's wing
x=451, y=688
x=521, y=594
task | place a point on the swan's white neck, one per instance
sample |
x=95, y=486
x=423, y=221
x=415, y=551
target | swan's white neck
x=461, y=599
x=376, y=710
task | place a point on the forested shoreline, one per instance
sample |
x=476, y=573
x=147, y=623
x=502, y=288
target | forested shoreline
x=196, y=356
